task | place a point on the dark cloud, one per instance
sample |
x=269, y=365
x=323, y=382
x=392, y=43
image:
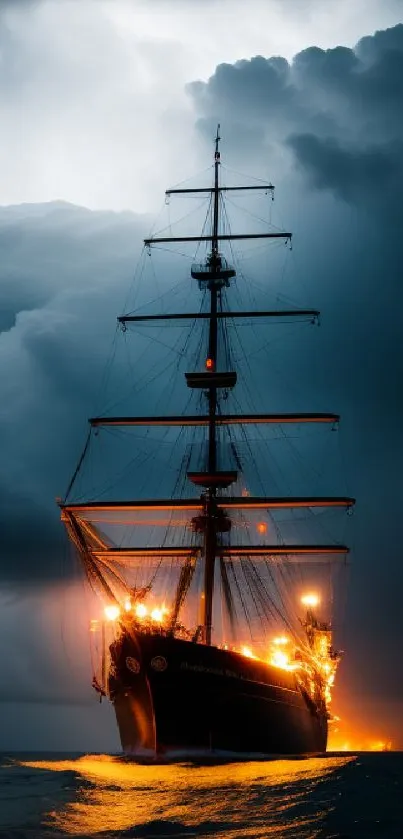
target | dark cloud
x=63, y=271
x=339, y=94
x=351, y=173
x=335, y=117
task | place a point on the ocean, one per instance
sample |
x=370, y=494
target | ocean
x=338, y=796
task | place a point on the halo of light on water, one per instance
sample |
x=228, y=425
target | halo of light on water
x=248, y=799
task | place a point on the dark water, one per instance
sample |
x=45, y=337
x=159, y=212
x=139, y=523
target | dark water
x=334, y=797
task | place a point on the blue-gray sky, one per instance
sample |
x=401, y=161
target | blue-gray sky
x=118, y=70
x=104, y=104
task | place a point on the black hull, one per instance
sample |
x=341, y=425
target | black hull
x=173, y=696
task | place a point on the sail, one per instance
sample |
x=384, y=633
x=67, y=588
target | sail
x=204, y=504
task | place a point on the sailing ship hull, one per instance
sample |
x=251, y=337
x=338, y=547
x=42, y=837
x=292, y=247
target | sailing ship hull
x=176, y=697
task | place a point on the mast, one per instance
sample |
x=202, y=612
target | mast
x=211, y=511
x=212, y=352
x=210, y=537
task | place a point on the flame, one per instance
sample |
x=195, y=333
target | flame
x=246, y=651
x=380, y=746
x=112, y=612
x=280, y=659
x=310, y=599
x=348, y=741
x=128, y=604
x=281, y=640
x=158, y=615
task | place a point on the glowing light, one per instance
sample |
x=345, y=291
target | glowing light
x=246, y=651
x=348, y=742
x=141, y=610
x=280, y=659
x=209, y=364
x=380, y=746
x=128, y=604
x=261, y=527
x=310, y=599
x=112, y=612
x=279, y=656
x=158, y=614
x=345, y=747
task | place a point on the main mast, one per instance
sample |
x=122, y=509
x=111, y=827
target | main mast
x=210, y=540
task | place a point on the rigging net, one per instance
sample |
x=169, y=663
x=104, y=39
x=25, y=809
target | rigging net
x=147, y=560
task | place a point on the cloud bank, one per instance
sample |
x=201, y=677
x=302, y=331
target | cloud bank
x=330, y=122
x=338, y=109
x=64, y=269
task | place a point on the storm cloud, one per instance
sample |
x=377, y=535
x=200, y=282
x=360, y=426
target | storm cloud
x=339, y=110
x=327, y=127
x=330, y=123
x=63, y=270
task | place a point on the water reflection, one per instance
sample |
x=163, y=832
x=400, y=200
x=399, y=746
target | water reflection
x=282, y=798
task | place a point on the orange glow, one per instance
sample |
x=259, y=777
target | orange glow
x=323, y=664
x=280, y=659
x=310, y=599
x=112, y=612
x=120, y=796
x=347, y=741
x=127, y=604
x=261, y=527
x=281, y=641
x=158, y=615
x=380, y=746
x=209, y=364
x=246, y=651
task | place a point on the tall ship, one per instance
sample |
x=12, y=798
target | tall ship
x=216, y=591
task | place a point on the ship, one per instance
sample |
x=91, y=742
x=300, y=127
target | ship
x=215, y=633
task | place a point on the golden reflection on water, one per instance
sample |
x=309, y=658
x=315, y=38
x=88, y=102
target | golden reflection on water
x=237, y=800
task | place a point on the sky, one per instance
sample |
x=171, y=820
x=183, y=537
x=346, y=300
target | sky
x=103, y=105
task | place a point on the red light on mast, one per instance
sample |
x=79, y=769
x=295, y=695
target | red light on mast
x=209, y=364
